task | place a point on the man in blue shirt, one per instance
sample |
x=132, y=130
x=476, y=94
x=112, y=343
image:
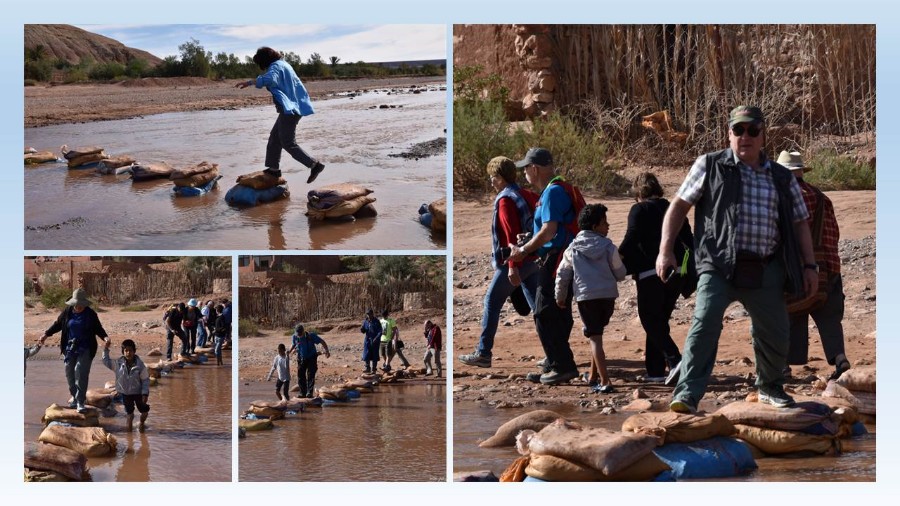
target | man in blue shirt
x=551, y=238
x=307, y=355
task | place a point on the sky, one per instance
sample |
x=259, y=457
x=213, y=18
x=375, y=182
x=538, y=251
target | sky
x=350, y=43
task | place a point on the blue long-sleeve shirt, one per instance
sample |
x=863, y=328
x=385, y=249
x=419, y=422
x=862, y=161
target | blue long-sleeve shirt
x=287, y=90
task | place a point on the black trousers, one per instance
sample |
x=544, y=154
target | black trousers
x=306, y=375
x=281, y=137
x=656, y=301
x=553, y=324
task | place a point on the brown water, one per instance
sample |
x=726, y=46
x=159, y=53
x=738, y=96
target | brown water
x=188, y=435
x=80, y=209
x=397, y=433
x=473, y=424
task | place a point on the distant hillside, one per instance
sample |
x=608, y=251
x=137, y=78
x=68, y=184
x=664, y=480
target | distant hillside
x=411, y=63
x=72, y=44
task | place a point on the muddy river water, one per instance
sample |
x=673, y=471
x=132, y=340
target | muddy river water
x=188, y=435
x=354, y=136
x=397, y=433
x=473, y=424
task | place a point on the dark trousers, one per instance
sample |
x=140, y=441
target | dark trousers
x=283, y=386
x=552, y=323
x=656, y=301
x=306, y=375
x=170, y=336
x=191, y=333
x=281, y=137
x=828, y=320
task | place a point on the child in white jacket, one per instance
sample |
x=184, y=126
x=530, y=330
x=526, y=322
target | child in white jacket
x=593, y=266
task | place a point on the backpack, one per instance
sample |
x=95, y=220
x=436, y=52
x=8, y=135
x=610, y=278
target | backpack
x=166, y=313
x=578, y=204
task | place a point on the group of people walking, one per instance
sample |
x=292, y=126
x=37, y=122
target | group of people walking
x=752, y=243
x=196, y=325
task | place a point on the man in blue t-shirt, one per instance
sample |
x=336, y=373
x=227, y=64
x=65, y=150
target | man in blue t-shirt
x=307, y=355
x=551, y=238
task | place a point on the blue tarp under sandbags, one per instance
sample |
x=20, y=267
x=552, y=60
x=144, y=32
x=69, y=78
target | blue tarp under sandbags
x=718, y=457
x=240, y=195
x=190, y=191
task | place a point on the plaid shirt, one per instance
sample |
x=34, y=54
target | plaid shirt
x=757, y=219
x=830, y=232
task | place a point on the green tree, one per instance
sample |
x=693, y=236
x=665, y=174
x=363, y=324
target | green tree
x=333, y=61
x=390, y=269
x=194, y=59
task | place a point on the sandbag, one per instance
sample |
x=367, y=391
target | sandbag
x=366, y=211
x=279, y=405
x=438, y=210
x=328, y=196
x=515, y=472
x=301, y=403
x=809, y=417
x=70, y=154
x=719, y=457
x=117, y=171
x=333, y=393
x=344, y=208
x=860, y=379
x=37, y=475
x=115, y=162
x=674, y=427
x=270, y=413
x=196, y=180
x=88, y=441
x=148, y=171
x=190, y=191
x=193, y=170
x=99, y=397
x=240, y=195
x=84, y=160
x=550, y=468
x=155, y=352
x=260, y=180
x=58, y=459
x=601, y=449
x=779, y=442
x=42, y=157
x=506, y=433
x=863, y=402
x=57, y=413
x=254, y=425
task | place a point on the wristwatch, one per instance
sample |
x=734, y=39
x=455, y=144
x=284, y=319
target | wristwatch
x=814, y=267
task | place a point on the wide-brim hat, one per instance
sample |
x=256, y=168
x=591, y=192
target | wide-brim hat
x=192, y=303
x=792, y=160
x=79, y=298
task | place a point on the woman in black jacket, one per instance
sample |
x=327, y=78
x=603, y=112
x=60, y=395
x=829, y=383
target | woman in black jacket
x=80, y=328
x=656, y=297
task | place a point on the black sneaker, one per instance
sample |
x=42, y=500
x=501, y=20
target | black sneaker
x=272, y=172
x=556, y=377
x=316, y=170
x=841, y=366
x=534, y=377
x=775, y=396
x=476, y=360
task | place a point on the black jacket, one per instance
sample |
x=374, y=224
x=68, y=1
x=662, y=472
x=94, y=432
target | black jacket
x=62, y=323
x=640, y=247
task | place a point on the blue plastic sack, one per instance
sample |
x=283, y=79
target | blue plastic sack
x=202, y=358
x=858, y=429
x=718, y=457
x=240, y=195
x=353, y=394
x=189, y=191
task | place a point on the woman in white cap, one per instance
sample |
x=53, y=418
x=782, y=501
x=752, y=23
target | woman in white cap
x=80, y=328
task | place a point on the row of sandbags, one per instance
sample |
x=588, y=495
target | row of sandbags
x=857, y=387
x=34, y=157
x=341, y=201
x=70, y=437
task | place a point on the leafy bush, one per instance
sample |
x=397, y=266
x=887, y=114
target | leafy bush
x=55, y=296
x=29, y=286
x=392, y=268
x=75, y=75
x=355, y=263
x=40, y=70
x=137, y=308
x=30, y=82
x=247, y=328
x=832, y=171
x=106, y=71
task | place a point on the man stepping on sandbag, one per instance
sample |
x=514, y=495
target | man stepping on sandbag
x=132, y=381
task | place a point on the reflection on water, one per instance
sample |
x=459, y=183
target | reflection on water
x=396, y=433
x=352, y=139
x=473, y=424
x=188, y=434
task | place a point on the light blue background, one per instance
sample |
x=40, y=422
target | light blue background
x=423, y=11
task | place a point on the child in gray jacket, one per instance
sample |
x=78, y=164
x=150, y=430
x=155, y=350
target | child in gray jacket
x=132, y=381
x=593, y=266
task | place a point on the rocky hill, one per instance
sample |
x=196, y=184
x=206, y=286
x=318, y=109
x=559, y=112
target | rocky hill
x=69, y=43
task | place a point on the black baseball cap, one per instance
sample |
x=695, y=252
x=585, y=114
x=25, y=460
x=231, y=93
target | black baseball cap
x=537, y=156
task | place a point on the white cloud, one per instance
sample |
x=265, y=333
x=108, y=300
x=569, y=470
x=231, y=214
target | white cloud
x=264, y=32
x=381, y=43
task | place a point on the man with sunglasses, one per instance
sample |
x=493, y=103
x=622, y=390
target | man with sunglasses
x=752, y=242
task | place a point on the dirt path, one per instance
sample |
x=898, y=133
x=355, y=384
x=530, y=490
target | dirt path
x=517, y=348
x=79, y=103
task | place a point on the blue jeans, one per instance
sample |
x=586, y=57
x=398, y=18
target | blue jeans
x=201, y=335
x=495, y=298
x=218, y=347
x=78, y=370
x=769, y=329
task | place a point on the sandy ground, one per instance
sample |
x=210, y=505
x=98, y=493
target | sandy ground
x=145, y=328
x=517, y=349
x=255, y=354
x=79, y=103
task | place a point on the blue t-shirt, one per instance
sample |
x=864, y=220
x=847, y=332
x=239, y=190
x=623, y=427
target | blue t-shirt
x=306, y=344
x=554, y=205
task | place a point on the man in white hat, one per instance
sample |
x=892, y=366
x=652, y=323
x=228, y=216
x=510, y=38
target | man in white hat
x=80, y=328
x=828, y=316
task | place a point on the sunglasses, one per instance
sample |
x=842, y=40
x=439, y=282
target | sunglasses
x=752, y=130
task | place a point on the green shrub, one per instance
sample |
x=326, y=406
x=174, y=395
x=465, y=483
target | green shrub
x=75, y=75
x=55, y=296
x=137, y=308
x=480, y=132
x=106, y=71
x=29, y=286
x=247, y=328
x=832, y=171
x=30, y=82
x=40, y=70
